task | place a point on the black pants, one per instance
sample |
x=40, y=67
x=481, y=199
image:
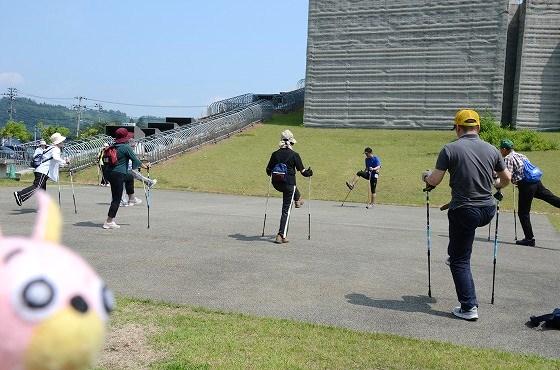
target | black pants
x=289, y=192
x=372, y=181
x=462, y=227
x=103, y=179
x=118, y=181
x=528, y=191
x=39, y=182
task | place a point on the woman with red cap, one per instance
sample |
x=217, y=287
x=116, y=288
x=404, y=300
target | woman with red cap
x=117, y=174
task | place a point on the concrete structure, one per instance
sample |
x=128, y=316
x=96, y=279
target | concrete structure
x=536, y=102
x=412, y=64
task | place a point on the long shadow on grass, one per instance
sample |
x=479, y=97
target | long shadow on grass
x=409, y=303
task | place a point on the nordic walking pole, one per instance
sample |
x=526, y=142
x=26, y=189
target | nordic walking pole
x=514, y=216
x=349, y=191
x=429, y=239
x=498, y=195
x=148, y=196
x=59, y=203
x=369, y=196
x=309, y=211
x=266, y=205
x=73, y=194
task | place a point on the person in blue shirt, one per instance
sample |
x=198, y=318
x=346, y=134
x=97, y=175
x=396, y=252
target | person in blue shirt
x=371, y=173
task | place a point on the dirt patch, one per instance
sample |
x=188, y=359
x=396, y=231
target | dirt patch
x=127, y=347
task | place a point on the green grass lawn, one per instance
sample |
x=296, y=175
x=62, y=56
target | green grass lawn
x=237, y=165
x=178, y=337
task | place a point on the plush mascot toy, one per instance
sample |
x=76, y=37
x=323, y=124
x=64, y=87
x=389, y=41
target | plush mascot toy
x=53, y=306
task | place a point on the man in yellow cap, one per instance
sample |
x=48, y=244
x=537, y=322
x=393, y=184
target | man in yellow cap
x=471, y=163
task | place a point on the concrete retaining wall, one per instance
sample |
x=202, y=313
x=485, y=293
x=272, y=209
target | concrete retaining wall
x=403, y=63
x=536, y=102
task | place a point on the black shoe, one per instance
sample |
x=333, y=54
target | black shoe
x=527, y=242
x=350, y=186
x=18, y=199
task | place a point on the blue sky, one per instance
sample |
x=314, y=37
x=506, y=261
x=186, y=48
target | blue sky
x=163, y=52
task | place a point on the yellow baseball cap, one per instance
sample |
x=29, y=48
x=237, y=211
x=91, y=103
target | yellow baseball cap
x=467, y=117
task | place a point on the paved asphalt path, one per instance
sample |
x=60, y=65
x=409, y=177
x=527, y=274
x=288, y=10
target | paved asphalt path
x=362, y=269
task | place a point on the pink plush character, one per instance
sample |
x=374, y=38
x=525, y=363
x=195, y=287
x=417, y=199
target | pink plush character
x=53, y=306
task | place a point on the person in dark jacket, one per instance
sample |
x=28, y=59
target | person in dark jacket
x=118, y=174
x=282, y=168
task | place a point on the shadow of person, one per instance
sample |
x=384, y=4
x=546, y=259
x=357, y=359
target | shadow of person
x=252, y=238
x=88, y=224
x=502, y=242
x=408, y=303
x=23, y=211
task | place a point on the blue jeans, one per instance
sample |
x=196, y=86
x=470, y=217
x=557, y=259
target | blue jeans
x=462, y=226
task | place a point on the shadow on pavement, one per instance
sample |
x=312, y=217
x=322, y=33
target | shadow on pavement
x=408, y=304
x=513, y=243
x=22, y=211
x=252, y=238
x=88, y=224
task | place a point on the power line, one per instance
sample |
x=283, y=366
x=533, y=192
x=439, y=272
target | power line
x=148, y=105
x=119, y=103
x=11, y=94
x=78, y=107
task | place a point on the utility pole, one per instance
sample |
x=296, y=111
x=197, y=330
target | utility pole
x=79, y=107
x=12, y=93
x=99, y=108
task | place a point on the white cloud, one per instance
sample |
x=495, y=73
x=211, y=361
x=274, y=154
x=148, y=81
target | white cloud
x=11, y=79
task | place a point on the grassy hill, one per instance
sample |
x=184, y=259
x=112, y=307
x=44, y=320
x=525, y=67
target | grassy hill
x=237, y=165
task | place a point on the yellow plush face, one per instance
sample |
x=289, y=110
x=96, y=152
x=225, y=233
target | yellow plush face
x=53, y=306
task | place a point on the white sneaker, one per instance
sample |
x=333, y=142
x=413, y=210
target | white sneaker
x=110, y=225
x=134, y=201
x=370, y=205
x=470, y=315
x=152, y=183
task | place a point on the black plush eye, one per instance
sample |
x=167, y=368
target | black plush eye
x=38, y=293
x=108, y=299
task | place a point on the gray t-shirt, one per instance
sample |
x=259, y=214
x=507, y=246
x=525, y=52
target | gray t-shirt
x=471, y=163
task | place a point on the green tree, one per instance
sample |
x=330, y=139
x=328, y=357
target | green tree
x=46, y=131
x=15, y=129
x=90, y=131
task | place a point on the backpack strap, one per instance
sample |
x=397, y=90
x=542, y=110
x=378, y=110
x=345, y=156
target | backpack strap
x=46, y=151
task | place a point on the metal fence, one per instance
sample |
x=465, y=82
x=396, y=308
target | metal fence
x=226, y=117
x=226, y=105
x=159, y=147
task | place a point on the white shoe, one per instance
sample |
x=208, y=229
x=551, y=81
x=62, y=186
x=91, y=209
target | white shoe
x=134, y=201
x=370, y=205
x=470, y=315
x=152, y=183
x=110, y=225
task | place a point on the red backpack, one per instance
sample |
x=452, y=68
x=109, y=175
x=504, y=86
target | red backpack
x=110, y=156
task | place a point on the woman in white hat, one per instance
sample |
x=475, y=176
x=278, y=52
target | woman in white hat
x=282, y=168
x=48, y=168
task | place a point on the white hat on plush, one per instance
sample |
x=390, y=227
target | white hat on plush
x=57, y=138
